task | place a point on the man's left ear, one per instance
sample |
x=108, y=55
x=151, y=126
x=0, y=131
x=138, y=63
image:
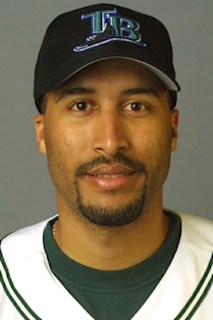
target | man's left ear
x=39, y=130
x=174, y=125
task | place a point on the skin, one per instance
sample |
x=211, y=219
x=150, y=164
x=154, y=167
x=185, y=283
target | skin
x=113, y=120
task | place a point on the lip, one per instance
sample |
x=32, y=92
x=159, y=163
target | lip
x=111, y=170
x=111, y=177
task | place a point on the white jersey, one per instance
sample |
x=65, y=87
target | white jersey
x=29, y=290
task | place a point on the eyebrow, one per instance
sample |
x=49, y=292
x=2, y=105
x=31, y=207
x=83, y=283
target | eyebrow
x=66, y=92
x=147, y=91
x=73, y=91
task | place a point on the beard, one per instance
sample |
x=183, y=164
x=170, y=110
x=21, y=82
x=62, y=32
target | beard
x=110, y=217
x=106, y=216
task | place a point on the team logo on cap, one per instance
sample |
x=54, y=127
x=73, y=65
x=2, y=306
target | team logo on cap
x=108, y=26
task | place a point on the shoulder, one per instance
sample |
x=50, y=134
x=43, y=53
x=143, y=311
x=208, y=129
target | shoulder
x=24, y=242
x=197, y=232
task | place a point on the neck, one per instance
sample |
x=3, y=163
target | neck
x=111, y=248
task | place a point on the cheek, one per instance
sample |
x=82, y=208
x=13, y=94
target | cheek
x=153, y=147
x=60, y=147
x=61, y=138
x=66, y=150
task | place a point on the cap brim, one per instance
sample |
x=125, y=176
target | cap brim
x=169, y=83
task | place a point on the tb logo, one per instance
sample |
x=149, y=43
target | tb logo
x=108, y=26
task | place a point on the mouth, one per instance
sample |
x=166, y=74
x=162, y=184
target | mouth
x=111, y=177
x=111, y=170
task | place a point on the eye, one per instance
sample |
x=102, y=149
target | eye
x=81, y=106
x=135, y=106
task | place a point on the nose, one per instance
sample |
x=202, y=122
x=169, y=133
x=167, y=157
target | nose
x=111, y=134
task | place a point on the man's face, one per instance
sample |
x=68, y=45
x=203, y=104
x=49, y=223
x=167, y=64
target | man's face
x=108, y=134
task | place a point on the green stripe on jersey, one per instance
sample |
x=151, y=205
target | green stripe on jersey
x=12, y=293
x=198, y=295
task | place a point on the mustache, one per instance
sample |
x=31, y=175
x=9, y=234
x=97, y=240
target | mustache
x=118, y=158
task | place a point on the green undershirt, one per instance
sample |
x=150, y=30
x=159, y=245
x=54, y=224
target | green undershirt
x=112, y=295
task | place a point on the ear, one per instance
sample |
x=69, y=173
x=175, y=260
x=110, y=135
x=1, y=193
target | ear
x=174, y=124
x=39, y=130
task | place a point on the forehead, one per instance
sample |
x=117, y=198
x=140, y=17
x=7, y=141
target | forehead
x=116, y=71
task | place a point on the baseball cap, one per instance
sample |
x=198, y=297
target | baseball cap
x=81, y=37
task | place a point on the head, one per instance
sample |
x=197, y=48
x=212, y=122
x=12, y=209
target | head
x=107, y=123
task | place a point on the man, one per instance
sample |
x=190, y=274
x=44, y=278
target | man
x=106, y=91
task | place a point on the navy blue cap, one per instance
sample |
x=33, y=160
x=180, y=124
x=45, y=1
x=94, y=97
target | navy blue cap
x=81, y=37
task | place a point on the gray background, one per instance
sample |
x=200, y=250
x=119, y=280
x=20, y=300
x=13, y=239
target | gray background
x=26, y=193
